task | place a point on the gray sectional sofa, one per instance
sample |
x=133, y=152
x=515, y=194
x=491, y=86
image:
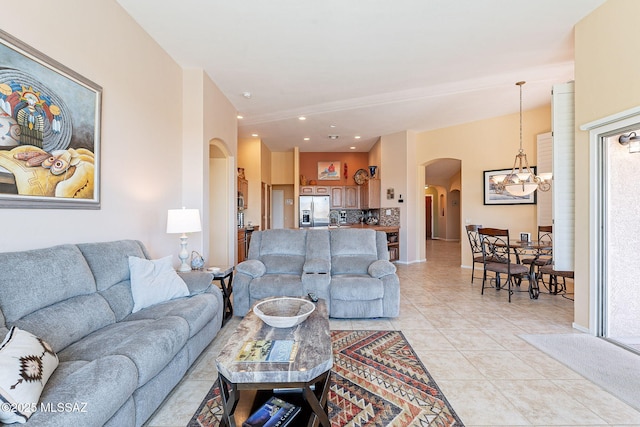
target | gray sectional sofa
x=117, y=366
x=347, y=267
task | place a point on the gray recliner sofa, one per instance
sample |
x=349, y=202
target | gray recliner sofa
x=119, y=365
x=349, y=268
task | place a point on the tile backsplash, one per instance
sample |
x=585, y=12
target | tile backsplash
x=389, y=217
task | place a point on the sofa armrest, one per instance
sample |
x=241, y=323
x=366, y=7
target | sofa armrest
x=381, y=268
x=252, y=267
x=317, y=265
x=198, y=282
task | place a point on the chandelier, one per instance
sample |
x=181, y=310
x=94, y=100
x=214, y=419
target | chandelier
x=521, y=181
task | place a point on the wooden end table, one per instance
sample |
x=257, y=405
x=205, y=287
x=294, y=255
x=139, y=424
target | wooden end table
x=224, y=277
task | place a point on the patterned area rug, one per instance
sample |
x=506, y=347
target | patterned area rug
x=377, y=380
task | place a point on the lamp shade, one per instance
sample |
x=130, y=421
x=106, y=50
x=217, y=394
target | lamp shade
x=183, y=221
x=521, y=189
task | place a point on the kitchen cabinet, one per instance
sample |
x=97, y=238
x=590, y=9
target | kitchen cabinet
x=244, y=240
x=337, y=197
x=370, y=194
x=351, y=197
x=315, y=190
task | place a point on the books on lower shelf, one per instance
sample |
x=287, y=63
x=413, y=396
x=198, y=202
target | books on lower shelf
x=274, y=413
x=268, y=351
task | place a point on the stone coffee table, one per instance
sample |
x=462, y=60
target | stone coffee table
x=309, y=372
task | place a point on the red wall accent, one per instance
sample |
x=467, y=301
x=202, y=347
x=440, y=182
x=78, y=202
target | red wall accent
x=354, y=161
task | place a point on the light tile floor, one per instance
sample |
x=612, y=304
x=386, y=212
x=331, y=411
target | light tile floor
x=470, y=345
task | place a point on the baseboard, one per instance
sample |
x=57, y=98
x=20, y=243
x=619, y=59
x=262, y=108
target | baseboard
x=410, y=262
x=581, y=328
x=445, y=240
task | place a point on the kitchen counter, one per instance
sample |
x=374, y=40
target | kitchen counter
x=386, y=228
x=393, y=235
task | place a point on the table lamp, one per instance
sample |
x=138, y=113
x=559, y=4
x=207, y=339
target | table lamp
x=183, y=221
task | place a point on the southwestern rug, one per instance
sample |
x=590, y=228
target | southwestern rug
x=377, y=380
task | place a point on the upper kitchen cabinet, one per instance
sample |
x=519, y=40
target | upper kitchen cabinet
x=315, y=190
x=370, y=194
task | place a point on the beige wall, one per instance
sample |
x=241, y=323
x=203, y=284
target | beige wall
x=141, y=151
x=141, y=154
x=282, y=168
x=250, y=158
x=607, y=60
x=494, y=144
x=393, y=174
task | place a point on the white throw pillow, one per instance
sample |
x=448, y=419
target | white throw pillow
x=154, y=281
x=26, y=363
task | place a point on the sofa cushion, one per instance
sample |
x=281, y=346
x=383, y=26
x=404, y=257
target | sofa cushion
x=353, y=241
x=34, y=279
x=276, y=285
x=26, y=363
x=68, y=321
x=149, y=343
x=283, y=242
x=96, y=390
x=120, y=299
x=109, y=261
x=197, y=310
x=154, y=281
x=352, y=251
x=351, y=264
x=283, y=264
x=356, y=288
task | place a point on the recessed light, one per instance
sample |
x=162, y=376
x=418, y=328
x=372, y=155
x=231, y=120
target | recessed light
x=307, y=138
x=239, y=117
x=254, y=135
x=357, y=137
x=333, y=137
x=302, y=118
x=246, y=95
x=332, y=126
x=352, y=148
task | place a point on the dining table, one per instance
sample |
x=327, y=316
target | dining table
x=535, y=249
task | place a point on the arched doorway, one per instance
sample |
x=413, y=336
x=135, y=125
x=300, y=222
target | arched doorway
x=222, y=196
x=443, y=185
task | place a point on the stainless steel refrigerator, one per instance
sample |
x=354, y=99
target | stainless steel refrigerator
x=314, y=211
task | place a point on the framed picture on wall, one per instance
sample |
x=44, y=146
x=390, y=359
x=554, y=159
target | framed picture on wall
x=49, y=132
x=492, y=197
x=328, y=171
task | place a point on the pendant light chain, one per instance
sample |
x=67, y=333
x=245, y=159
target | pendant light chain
x=520, y=84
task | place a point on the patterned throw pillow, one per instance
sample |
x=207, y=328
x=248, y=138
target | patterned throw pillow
x=26, y=363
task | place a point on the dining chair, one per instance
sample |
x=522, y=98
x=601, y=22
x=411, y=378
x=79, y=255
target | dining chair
x=476, y=247
x=543, y=256
x=500, y=258
x=554, y=287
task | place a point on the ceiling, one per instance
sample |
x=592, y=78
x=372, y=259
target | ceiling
x=367, y=68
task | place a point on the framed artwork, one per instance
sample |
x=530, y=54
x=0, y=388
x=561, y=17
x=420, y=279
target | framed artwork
x=328, y=171
x=491, y=197
x=49, y=132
